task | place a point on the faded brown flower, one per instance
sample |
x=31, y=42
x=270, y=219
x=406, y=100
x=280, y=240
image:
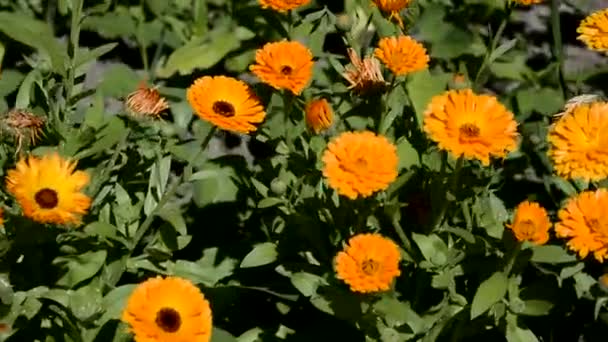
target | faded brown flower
x=23, y=125
x=146, y=101
x=364, y=75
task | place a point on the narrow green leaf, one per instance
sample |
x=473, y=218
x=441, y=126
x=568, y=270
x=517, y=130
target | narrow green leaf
x=422, y=86
x=79, y=267
x=489, y=292
x=551, y=255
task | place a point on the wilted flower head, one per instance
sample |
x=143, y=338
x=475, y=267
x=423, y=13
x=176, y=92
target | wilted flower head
x=364, y=76
x=593, y=31
x=23, y=125
x=576, y=101
x=319, y=115
x=146, y=101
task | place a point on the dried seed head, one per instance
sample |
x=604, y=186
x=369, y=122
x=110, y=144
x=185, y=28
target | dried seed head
x=576, y=101
x=364, y=76
x=146, y=101
x=23, y=125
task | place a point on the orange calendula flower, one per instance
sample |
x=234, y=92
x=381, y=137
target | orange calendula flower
x=470, y=125
x=526, y=2
x=531, y=223
x=593, y=31
x=283, y=5
x=284, y=65
x=402, y=55
x=584, y=222
x=319, y=115
x=364, y=75
x=227, y=103
x=49, y=189
x=146, y=102
x=1, y=216
x=392, y=7
x=369, y=263
x=169, y=309
x=360, y=163
x=579, y=144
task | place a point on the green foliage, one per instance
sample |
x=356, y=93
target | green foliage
x=257, y=227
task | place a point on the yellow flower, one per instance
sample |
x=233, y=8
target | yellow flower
x=531, y=223
x=146, y=102
x=283, y=5
x=227, y=103
x=364, y=76
x=579, y=144
x=49, y=190
x=470, y=125
x=369, y=263
x=284, y=65
x=168, y=310
x=319, y=115
x=593, y=31
x=402, y=55
x=583, y=221
x=360, y=163
x=392, y=7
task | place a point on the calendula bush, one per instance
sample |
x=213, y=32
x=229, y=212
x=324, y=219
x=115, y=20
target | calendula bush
x=418, y=170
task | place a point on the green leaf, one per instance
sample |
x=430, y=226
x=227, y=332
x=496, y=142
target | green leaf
x=269, y=202
x=397, y=313
x=114, y=302
x=535, y=307
x=491, y=214
x=219, y=335
x=307, y=283
x=79, y=267
x=203, y=55
x=408, y=156
x=261, y=254
x=432, y=247
x=205, y=270
x=517, y=334
x=111, y=25
x=85, y=56
x=546, y=101
x=86, y=302
x=551, y=255
x=158, y=7
x=422, y=86
x=36, y=34
x=23, y=95
x=489, y=292
x=9, y=81
x=118, y=81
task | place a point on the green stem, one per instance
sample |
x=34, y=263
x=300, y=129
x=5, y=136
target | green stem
x=558, y=50
x=493, y=46
x=168, y=195
x=407, y=244
x=73, y=48
x=452, y=188
x=383, y=114
x=512, y=258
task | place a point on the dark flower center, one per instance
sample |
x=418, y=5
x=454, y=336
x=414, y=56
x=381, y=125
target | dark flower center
x=168, y=320
x=369, y=266
x=46, y=198
x=224, y=108
x=469, y=131
x=286, y=70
